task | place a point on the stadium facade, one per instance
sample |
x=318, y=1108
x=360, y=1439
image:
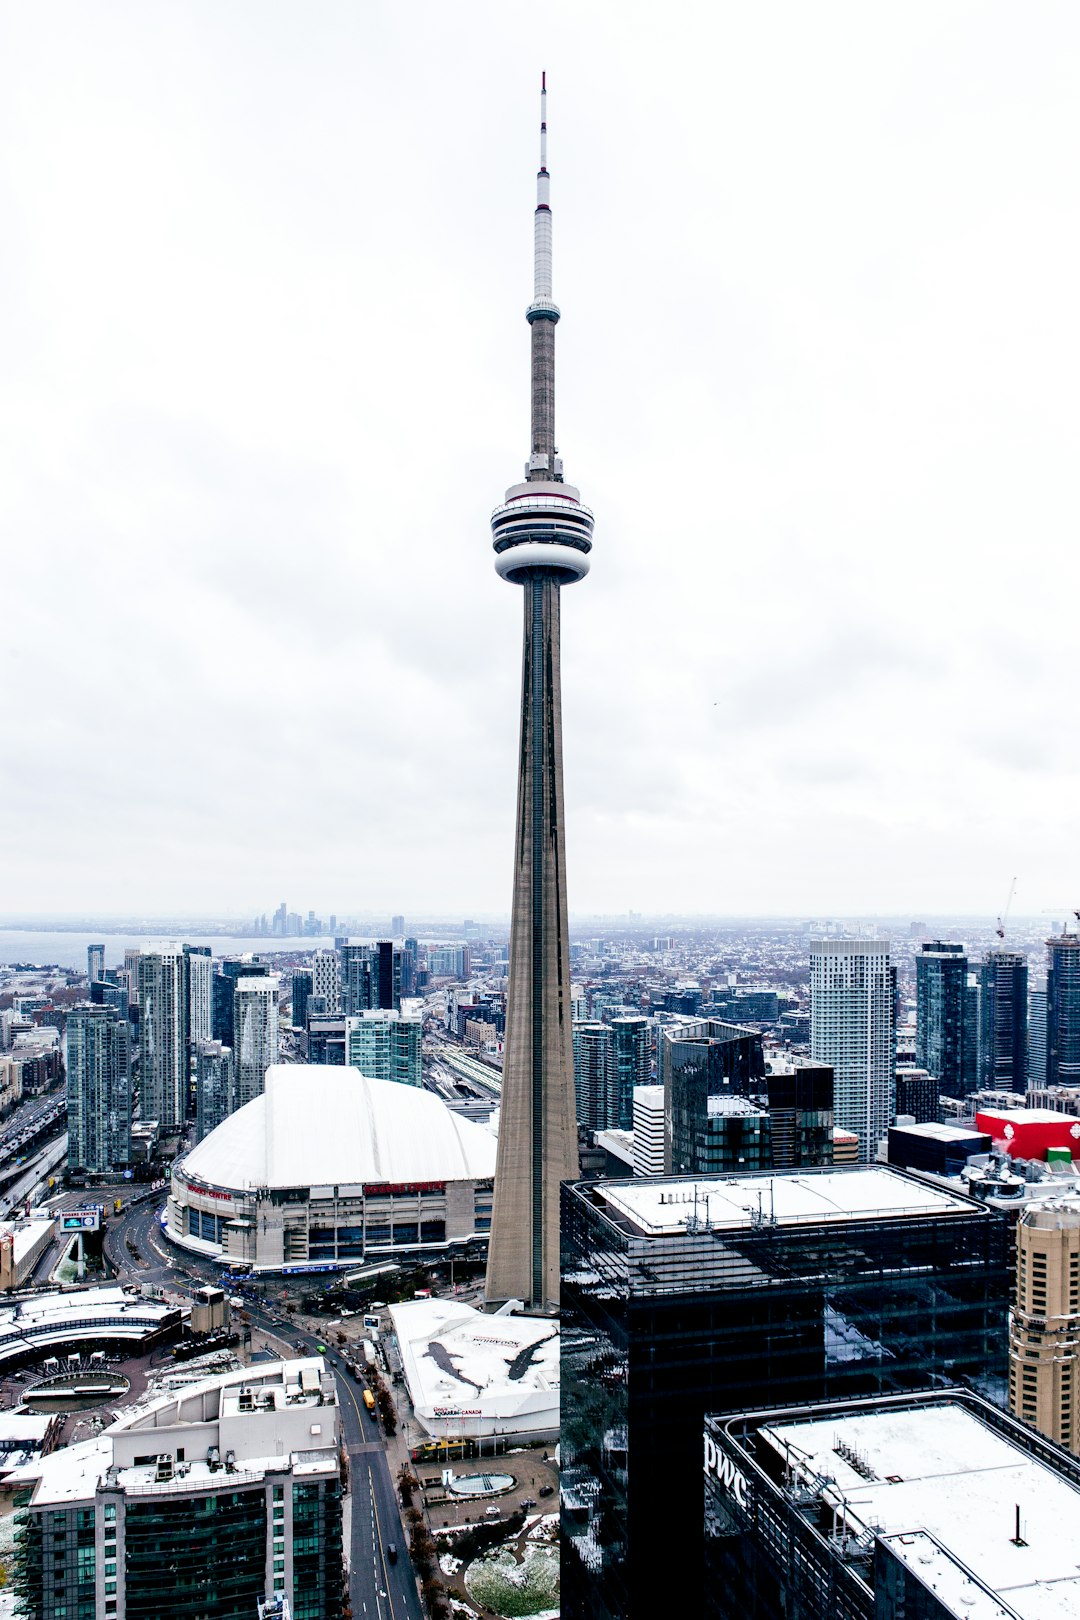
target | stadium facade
x=328, y=1167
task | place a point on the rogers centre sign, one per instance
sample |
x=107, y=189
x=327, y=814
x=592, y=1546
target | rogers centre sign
x=208, y=1192
x=723, y=1469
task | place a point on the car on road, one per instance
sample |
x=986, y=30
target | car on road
x=547, y=1490
x=391, y=1552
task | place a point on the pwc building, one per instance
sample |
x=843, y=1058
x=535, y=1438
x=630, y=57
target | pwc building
x=688, y=1296
x=912, y=1507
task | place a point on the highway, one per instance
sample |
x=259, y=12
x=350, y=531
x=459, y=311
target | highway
x=378, y=1589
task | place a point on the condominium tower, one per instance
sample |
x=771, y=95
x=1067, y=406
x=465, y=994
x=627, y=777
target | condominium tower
x=98, y=1089
x=542, y=538
x=1063, y=1010
x=163, y=1035
x=1044, y=1333
x=941, y=972
x=851, y=1029
x=1003, y=996
x=255, y=1036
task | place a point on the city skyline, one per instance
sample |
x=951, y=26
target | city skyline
x=837, y=209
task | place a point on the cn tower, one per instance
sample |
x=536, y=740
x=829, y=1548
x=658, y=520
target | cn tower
x=542, y=538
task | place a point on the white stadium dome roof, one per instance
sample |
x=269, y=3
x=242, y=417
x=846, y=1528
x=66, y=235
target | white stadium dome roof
x=320, y=1124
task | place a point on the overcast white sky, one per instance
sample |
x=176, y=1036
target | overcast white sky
x=263, y=375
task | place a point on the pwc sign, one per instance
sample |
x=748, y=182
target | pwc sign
x=724, y=1471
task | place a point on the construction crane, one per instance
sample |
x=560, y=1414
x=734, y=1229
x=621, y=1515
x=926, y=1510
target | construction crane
x=1003, y=919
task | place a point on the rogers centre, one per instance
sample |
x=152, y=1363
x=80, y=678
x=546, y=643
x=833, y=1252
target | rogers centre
x=329, y=1167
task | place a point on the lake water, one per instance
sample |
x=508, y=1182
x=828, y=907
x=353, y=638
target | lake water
x=69, y=950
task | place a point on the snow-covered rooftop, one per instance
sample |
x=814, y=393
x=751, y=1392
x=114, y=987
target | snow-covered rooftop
x=944, y=1487
x=657, y=1205
x=256, y=1419
x=321, y=1124
x=474, y=1373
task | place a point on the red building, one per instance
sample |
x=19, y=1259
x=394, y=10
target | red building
x=1026, y=1133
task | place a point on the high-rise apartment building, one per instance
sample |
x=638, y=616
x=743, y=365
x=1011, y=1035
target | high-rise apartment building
x=213, y=1086
x=1063, y=1010
x=200, y=972
x=223, y=992
x=385, y=1046
x=916, y=1094
x=542, y=537
x=851, y=1030
x=702, y=1061
x=397, y=926
x=648, y=1149
x=97, y=1058
x=131, y=974
x=326, y=980
x=1003, y=997
x=95, y=962
x=594, y=1076
x=941, y=972
x=163, y=1036
x=681, y=1298
x=1037, y=1033
x=370, y=976
x=255, y=1027
x=632, y=1049
x=200, y=1504
x=1044, y=1336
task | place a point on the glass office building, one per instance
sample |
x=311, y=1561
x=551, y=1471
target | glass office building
x=702, y=1060
x=915, y=1507
x=684, y=1296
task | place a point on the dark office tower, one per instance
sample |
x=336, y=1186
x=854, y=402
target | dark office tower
x=700, y=1063
x=542, y=538
x=95, y=962
x=98, y=1088
x=941, y=972
x=972, y=1026
x=594, y=1076
x=800, y=1102
x=1003, y=993
x=633, y=1065
x=301, y=990
x=1063, y=1010
x=680, y=1299
x=213, y=1086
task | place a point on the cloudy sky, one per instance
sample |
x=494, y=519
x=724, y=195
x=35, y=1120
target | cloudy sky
x=263, y=375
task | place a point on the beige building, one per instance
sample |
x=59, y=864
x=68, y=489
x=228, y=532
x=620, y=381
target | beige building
x=1045, y=1331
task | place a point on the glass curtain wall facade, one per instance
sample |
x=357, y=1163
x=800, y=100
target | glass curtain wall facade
x=633, y=1066
x=657, y=1331
x=698, y=1061
x=1063, y=1011
x=1003, y=996
x=941, y=972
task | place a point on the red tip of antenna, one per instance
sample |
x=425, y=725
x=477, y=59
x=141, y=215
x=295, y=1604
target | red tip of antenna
x=543, y=81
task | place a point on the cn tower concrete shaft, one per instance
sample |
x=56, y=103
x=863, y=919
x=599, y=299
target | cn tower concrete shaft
x=538, y=1126
x=542, y=536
